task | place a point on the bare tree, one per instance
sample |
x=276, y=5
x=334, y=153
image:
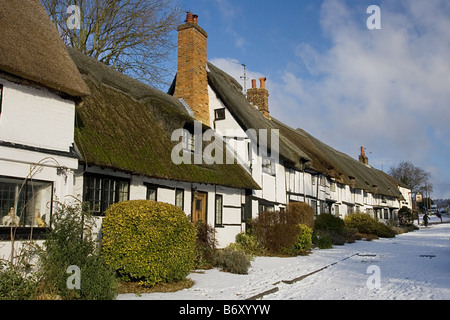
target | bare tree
x=133, y=36
x=417, y=179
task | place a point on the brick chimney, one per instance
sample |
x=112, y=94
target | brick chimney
x=192, y=82
x=259, y=96
x=363, y=158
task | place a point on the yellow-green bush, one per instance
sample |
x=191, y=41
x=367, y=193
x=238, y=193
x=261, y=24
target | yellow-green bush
x=368, y=225
x=148, y=241
x=304, y=241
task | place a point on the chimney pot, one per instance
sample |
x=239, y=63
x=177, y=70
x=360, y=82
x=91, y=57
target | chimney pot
x=253, y=83
x=263, y=82
x=189, y=17
x=195, y=17
x=363, y=158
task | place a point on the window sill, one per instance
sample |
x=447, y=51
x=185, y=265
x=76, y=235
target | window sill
x=23, y=233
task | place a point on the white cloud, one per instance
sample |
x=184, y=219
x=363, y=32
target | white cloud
x=235, y=69
x=385, y=89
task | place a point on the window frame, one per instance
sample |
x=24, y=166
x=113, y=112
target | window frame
x=268, y=166
x=103, y=198
x=219, y=114
x=151, y=187
x=28, y=191
x=177, y=192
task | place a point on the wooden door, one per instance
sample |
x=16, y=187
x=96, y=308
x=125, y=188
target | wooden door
x=199, y=207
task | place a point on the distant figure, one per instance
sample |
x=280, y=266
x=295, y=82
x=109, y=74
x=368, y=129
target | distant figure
x=439, y=215
x=425, y=219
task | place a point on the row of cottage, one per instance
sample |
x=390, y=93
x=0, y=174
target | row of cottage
x=72, y=127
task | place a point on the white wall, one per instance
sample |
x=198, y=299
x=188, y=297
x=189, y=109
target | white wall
x=36, y=117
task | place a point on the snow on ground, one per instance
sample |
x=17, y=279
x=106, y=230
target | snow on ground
x=414, y=265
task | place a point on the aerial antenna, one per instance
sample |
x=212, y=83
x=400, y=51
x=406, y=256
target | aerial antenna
x=244, y=77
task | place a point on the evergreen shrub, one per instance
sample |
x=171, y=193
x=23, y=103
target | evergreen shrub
x=248, y=243
x=304, y=241
x=368, y=225
x=232, y=260
x=148, y=241
x=329, y=228
x=405, y=216
x=70, y=242
x=15, y=286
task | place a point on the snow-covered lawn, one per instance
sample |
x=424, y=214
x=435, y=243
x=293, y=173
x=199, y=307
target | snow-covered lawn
x=414, y=265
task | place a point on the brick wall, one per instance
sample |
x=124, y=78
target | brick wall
x=192, y=82
x=259, y=97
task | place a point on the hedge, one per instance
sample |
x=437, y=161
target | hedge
x=368, y=225
x=148, y=241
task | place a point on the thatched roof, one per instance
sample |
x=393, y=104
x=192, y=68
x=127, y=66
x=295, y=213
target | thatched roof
x=126, y=125
x=248, y=116
x=31, y=48
x=299, y=149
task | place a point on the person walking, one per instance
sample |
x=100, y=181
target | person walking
x=439, y=215
x=425, y=219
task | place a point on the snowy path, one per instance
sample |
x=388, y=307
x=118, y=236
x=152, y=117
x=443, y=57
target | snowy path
x=414, y=265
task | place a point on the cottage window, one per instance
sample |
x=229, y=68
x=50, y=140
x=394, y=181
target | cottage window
x=314, y=206
x=336, y=210
x=152, y=192
x=268, y=166
x=322, y=181
x=179, y=198
x=333, y=187
x=101, y=192
x=219, y=210
x=25, y=203
x=219, y=114
x=263, y=207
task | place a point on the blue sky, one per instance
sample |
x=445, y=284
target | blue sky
x=327, y=73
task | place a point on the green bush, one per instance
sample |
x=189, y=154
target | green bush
x=322, y=239
x=148, y=241
x=70, y=243
x=14, y=286
x=405, y=216
x=249, y=244
x=329, y=228
x=368, y=225
x=304, y=241
x=329, y=222
x=234, y=261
